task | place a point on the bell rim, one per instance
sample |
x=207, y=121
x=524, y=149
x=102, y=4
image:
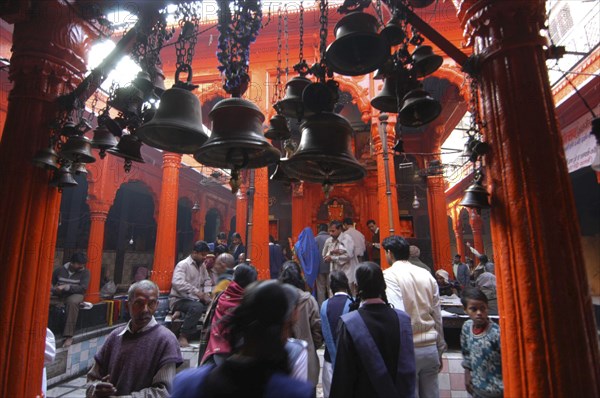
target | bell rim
x=270, y=154
x=114, y=152
x=384, y=54
x=236, y=102
x=380, y=103
x=142, y=135
x=358, y=172
x=437, y=114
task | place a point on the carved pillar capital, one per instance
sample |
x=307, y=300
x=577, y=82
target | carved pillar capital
x=171, y=160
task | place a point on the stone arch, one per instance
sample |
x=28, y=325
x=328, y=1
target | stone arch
x=213, y=224
x=185, y=232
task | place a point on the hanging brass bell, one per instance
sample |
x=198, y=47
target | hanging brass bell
x=69, y=129
x=280, y=175
x=114, y=126
x=128, y=100
x=393, y=33
x=63, y=178
x=143, y=83
x=103, y=139
x=278, y=129
x=46, y=158
x=324, y=154
x=321, y=97
x=387, y=100
x=79, y=168
x=78, y=149
x=237, y=140
x=128, y=148
x=425, y=62
x=177, y=125
x=291, y=104
x=419, y=108
x=476, y=196
x=357, y=48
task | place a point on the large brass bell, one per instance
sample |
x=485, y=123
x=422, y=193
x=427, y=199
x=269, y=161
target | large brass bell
x=324, y=154
x=46, y=158
x=387, y=100
x=78, y=149
x=357, y=48
x=63, y=178
x=476, y=196
x=177, y=124
x=237, y=140
x=278, y=129
x=291, y=104
x=425, y=62
x=128, y=148
x=419, y=108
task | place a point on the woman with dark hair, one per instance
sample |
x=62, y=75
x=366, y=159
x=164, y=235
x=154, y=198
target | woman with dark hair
x=259, y=366
x=308, y=325
x=375, y=351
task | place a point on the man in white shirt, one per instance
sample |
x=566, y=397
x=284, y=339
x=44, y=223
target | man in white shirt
x=357, y=237
x=339, y=252
x=413, y=289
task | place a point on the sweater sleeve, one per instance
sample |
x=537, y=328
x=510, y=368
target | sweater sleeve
x=82, y=286
x=464, y=346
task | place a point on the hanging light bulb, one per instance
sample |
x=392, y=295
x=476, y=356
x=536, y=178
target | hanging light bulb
x=416, y=204
x=196, y=206
x=131, y=240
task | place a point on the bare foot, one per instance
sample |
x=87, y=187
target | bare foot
x=68, y=342
x=183, y=342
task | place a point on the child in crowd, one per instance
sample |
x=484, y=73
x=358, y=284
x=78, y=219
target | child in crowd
x=480, y=344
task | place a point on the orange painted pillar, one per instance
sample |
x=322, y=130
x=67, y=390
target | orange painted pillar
x=48, y=55
x=549, y=339
x=241, y=207
x=98, y=215
x=476, y=226
x=438, y=223
x=166, y=229
x=458, y=235
x=259, y=246
x=387, y=196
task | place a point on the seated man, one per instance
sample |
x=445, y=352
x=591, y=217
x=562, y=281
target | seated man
x=140, y=358
x=223, y=268
x=69, y=284
x=190, y=290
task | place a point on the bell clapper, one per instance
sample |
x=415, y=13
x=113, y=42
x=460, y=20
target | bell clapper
x=234, y=181
x=327, y=188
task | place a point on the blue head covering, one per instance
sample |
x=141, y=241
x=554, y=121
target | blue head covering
x=308, y=254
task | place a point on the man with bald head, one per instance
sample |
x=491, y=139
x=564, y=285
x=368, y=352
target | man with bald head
x=224, y=269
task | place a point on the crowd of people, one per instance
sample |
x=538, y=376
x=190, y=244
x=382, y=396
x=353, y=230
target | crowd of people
x=381, y=329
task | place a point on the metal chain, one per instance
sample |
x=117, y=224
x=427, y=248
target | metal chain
x=189, y=22
x=287, y=44
x=475, y=120
x=379, y=12
x=301, y=21
x=277, y=92
x=323, y=6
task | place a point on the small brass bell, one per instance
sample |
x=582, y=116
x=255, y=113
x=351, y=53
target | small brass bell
x=78, y=149
x=278, y=129
x=46, y=158
x=143, y=83
x=128, y=100
x=291, y=104
x=63, y=178
x=357, y=48
x=324, y=153
x=237, y=140
x=387, y=100
x=114, y=126
x=425, y=62
x=103, y=139
x=79, y=168
x=280, y=175
x=419, y=108
x=128, y=148
x=177, y=125
x=393, y=33
x=476, y=196
x=69, y=129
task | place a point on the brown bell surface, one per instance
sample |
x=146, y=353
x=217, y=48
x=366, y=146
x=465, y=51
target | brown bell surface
x=129, y=148
x=78, y=149
x=103, y=138
x=63, y=178
x=177, y=125
x=476, y=197
x=357, y=48
x=291, y=104
x=419, y=108
x=425, y=62
x=278, y=128
x=324, y=153
x=237, y=139
x=280, y=175
x=46, y=158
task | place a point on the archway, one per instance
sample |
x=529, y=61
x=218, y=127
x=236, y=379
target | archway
x=130, y=232
x=74, y=221
x=467, y=233
x=185, y=232
x=212, y=225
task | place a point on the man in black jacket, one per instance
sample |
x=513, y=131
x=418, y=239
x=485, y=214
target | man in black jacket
x=69, y=284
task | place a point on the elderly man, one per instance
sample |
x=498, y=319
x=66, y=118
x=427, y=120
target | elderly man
x=140, y=358
x=69, y=284
x=357, y=237
x=339, y=252
x=224, y=269
x=413, y=289
x=190, y=290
